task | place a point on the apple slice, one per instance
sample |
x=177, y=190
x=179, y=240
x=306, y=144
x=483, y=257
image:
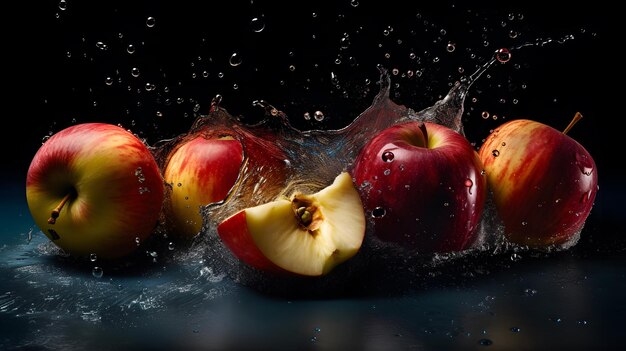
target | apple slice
x=305, y=235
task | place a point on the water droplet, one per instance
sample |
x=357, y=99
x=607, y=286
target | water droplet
x=149, y=87
x=412, y=56
x=179, y=184
x=235, y=86
x=134, y=72
x=485, y=342
x=388, y=156
x=395, y=71
x=137, y=241
x=387, y=172
x=530, y=292
x=318, y=329
x=150, y=22
x=503, y=55
x=257, y=24
x=524, y=223
x=582, y=322
x=307, y=116
x=485, y=115
x=292, y=68
x=515, y=257
x=93, y=257
x=586, y=196
x=130, y=49
x=62, y=5
x=354, y=3
x=513, y=34
x=386, y=32
x=108, y=81
x=515, y=329
x=379, y=212
x=97, y=272
x=235, y=59
x=101, y=45
x=446, y=204
x=495, y=153
x=319, y=116
x=436, y=59
x=450, y=47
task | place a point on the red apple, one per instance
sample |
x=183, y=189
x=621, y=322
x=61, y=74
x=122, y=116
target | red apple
x=422, y=185
x=544, y=182
x=305, y=235
x=201, y=170
x=94, y=188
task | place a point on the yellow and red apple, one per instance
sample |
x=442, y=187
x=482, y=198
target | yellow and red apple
x=303, y=235
x=543, y=182
x=200, y=170
x=421, y=183
x=94, y=188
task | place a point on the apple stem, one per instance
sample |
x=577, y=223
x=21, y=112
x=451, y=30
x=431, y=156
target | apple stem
x=577, y=117
x=425, y=133
x=55, y=213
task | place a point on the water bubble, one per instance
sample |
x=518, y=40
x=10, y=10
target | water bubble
x=62, y=5
x=386, y=32
x=495, y=153
x=97, y=272
x=170, y=246
x=205, y=74
x=485, y=115
x=257, y=24
x=515, y=329
x=354, y=3
x=130, y=49
x=412, y=56
x=388, y=156
x=134, y=72
x=292, y=68
x=436, y=59
x=108, y=81
x=235, y=86
x=485, y=342
x=379, y=212
x=150, y=22
x=319, y=116
x=515, y=257
x=503, y=55
x=450, y=47
x=220, y=75
x=93, y=257
x=235, y=59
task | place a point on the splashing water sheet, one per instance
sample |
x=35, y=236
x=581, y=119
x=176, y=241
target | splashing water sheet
x=310, y=98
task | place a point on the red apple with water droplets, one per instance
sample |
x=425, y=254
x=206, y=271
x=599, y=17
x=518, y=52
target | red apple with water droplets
x=544, y=182
x=95, y=188
x=422, y=184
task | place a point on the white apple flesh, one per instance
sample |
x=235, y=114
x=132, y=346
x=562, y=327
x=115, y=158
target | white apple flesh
x=306, y=235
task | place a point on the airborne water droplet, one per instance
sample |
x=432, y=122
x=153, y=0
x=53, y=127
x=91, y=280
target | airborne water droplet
x=515, y=257
x=485, y=114
x=307, y=116
x=108, y=81
x=134, y=72
x=503, y=55
x=150, y=22
x=62, y=5
x=495, y=153
x=130, y=49
x=485, y=342
x=319, y=116
x=257, y=24
x=450, y=47
x=235, y=59
x=97, y=272
x=379, y=212
x=515, y=329
x=93, y=257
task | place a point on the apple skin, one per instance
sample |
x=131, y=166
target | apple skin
x=425, y=196
x=543, y=182
x=115, y=186
x=200, y=171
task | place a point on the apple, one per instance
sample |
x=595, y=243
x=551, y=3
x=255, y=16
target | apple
x=201, y=170
x=301, y=235
x=95, y=188
x=543, y=182
x=421, y=183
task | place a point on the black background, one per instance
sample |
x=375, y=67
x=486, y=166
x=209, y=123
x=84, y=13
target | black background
x=47, y=89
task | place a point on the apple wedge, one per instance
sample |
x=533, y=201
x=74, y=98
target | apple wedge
x=306, y=235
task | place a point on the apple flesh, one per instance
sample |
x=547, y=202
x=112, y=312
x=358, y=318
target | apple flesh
x=543, y=182
x=305, y=235
x=95, y=188
x=200, y=171
x=422, y=185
